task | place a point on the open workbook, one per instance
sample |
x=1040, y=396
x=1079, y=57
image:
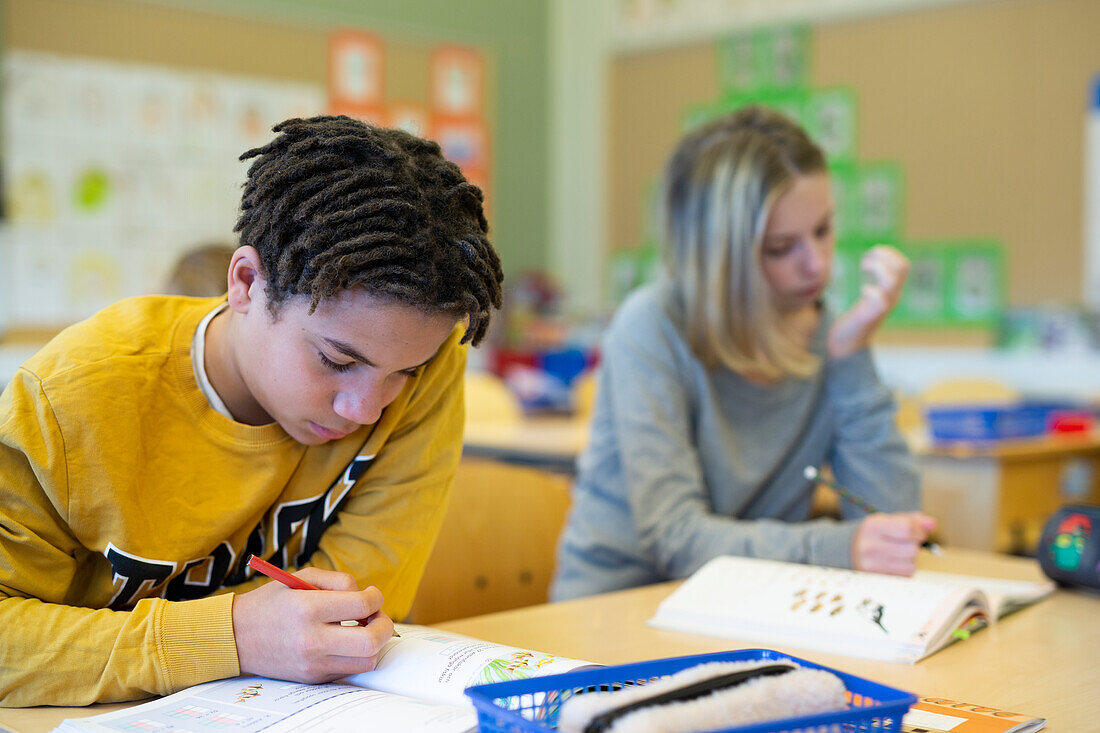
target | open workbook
x=417, y=686
x=839, y=611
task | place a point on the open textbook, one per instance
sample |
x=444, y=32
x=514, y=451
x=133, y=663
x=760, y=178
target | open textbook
x=417, y=686
x=839, y=611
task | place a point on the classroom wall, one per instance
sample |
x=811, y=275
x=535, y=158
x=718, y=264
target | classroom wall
x=580, y=33
x=982, y=103
x=285, y=39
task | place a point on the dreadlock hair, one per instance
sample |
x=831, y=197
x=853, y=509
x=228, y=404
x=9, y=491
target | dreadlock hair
x=332, y=204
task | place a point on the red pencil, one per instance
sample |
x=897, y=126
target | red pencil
x=263, y=566
x=290, y=581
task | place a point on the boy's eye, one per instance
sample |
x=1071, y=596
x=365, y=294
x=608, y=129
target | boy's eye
x=333, y=365
x=410, y=372
x=823, y=230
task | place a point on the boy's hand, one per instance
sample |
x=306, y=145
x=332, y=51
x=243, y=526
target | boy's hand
x=888, y=543
x=888, y=269
x=296, y=635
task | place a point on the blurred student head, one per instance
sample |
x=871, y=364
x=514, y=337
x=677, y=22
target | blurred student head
x=747, y=209
x=201, y=272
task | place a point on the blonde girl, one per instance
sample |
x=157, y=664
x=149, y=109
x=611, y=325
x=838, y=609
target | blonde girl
x=723, y=381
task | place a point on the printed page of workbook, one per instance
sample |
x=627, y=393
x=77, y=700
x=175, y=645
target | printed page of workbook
x=439, y=665
x=254, y=704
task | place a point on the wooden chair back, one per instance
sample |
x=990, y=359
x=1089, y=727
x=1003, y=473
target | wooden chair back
x=496, y=548
x=969, y=391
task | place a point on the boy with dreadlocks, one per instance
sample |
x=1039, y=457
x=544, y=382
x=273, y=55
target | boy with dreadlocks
x=312, y=416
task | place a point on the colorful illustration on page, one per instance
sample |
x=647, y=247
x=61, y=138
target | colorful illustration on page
x=518, y=665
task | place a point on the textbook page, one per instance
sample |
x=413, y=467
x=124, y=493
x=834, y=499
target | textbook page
x=418, y=685
x=827, y=609
x=254, y=704
x=439, y=666
x=1005, y=596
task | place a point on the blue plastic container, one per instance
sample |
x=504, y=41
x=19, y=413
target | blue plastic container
x=534, y=704
x=986, y=423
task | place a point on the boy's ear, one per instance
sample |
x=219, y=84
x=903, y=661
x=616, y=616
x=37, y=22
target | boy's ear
x=246, y=280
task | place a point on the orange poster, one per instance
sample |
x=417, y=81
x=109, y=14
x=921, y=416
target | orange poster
x=465, y=142
x=356, y=69
x=457, y=79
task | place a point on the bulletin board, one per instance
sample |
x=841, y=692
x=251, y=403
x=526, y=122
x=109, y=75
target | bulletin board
x=982, y=104
x=112, y=171
x=107, y=232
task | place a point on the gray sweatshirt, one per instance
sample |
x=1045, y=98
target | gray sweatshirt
x=686, y=463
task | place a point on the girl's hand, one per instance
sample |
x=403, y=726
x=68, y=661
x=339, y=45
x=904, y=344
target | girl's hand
x=297, y=634
x=888, y=543
x=888, y=269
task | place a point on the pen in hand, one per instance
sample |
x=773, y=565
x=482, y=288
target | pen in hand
x=811, y=473
x=290, y=581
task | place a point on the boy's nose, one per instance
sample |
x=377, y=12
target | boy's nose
x=362, y=407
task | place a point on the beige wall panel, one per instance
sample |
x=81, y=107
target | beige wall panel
x=984, y=105
x=648, y=94
x=407, y=73
x=141, y=33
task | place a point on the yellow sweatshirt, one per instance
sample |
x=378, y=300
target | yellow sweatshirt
x=128, y=506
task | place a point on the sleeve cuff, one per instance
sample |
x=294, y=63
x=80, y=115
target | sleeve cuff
x=196, y=641
x=831, y=544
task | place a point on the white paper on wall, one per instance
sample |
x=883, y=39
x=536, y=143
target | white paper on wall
x=111, y=171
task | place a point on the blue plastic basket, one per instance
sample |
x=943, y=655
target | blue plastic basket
x=534, y=704
x=989, y=423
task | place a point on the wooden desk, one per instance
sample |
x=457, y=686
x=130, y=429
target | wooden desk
x=549, y=443
x=1041, y=660
x=998, y=497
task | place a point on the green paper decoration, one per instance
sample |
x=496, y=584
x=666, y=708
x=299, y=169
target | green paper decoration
x=831, y=121
x=950, y=284
x=924, y=300
x=740, y=68
x=977, y=282
x=765, y=59
x=787, y=56
x=880, y=200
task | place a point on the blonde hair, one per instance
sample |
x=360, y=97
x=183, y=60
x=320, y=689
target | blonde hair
x=719, y=188
x=201, y=272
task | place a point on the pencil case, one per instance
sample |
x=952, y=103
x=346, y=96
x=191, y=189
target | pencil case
x=536, y=704
x=708, y=696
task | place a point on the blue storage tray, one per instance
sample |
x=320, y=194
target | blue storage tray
x=534, y=704
x=989, y=423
